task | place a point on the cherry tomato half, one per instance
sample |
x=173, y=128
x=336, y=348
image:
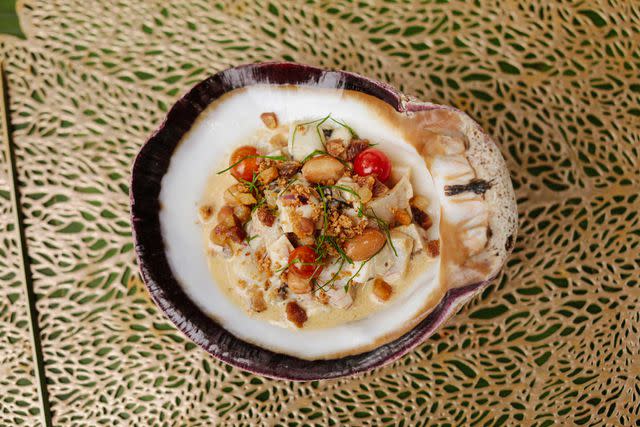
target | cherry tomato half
x=247, y=167
x=372, y=162
x=303, y=262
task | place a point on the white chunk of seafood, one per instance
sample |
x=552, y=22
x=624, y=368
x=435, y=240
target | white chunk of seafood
x=346, y=196
x=267, y=234
x=304, y=139
x=397, y=198
x=278, y=252
x=416, y=233
x=286, y=214
x=338, y=133
x=387, y=265
x=246, y=269
x=340, y=297
x=397, y=172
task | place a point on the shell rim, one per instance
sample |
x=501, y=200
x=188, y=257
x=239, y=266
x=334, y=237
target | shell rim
x=149, y=167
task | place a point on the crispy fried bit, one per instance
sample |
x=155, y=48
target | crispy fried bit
x=265, y=216
x=205, y=211
x=242, y=212
x=365, y=181
x=270, y=120
x=322, y=297
x=241, y=284
x=268, y=175
x=226, y=216
x=433, y=248
x=218, y=235
x=342, y=226
x=236, y=234
x=267, y=285
x=237, y=195
x=421, y=217
x=401, y=216
x=382, y=289
x=335, y=147
x=278, y=140
x=364, y=194
x=296, y=314
x=258, y=304
x=379, y=189
x=356, y=146
x=303, y=227
x=283, y=292
x=263, y=261
x=288, y=169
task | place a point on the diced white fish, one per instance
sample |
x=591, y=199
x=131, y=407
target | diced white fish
x=343, y=195
x=341, y=133
x=416, y=233
x=279, y=251
x=339, y=297
x=286, y=213
x=386, y=264
x=264, y=234
x=397, y=198
x=304, y=139
x=246, y=269
x=398, y=171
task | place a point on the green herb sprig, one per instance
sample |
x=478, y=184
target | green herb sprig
x=252, y=156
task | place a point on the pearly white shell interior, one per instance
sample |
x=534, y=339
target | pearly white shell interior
x=224, y=126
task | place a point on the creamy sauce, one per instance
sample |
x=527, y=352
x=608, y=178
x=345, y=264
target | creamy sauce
x=224, y=272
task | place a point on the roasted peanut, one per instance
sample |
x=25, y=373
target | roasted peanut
x=296, y=314
x=382, y=289
x=270, y=120
x=323, y=170
x=401, y=216
x=258, y=304
x=226, y=216
x=288, y=169
x=236, y=234
x=366, y=245
x=297, y=284
x=268, y=175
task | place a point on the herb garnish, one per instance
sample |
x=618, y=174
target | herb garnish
x=384, y=226
x=252, y=156
x=346, y=126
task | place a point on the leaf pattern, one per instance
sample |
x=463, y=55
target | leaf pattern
x=555, y=340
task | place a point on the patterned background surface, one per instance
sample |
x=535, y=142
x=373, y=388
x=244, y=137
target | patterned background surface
x=555, y=339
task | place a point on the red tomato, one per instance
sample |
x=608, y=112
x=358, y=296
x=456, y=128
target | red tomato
x=247, y=167
x=372, y=162
x=302, y=261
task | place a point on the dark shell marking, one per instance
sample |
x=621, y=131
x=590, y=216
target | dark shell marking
x=152, y=163
x=476, y=185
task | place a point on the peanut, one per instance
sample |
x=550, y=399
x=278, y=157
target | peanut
x=303, y=227
x=382, y=289
x=323, y=170
x=366, y=245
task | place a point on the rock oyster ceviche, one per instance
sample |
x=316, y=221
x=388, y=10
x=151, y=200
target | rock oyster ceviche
x=317, y=227
x=305, y=223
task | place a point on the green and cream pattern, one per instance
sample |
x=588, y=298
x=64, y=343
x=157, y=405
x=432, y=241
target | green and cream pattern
x=555, y=340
